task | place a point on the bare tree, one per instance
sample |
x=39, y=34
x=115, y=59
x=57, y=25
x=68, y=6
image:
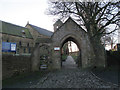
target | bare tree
x=108, y=40
x=93, y=17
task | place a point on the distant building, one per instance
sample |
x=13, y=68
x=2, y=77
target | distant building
x=118, y=45
x=119, y=36
x=24, y=37
x=38, y=33
x=19, y=35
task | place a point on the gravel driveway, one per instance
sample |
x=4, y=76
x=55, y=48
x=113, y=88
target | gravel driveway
x=68, y=77
x=71, y=77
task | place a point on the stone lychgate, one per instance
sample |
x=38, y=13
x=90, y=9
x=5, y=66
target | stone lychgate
x=70, y=31
x=64, y=32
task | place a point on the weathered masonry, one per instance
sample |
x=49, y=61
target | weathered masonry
x=64, y=32
x=70, y=31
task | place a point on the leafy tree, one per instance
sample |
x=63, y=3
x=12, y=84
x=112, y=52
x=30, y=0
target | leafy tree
x=94, y=17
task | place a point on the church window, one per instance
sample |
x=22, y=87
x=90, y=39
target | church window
x=20, y=43
x=27, y=44
x=24, y=50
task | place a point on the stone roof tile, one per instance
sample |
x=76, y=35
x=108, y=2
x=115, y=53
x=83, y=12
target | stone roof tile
x=8, y=28
x=42, y=31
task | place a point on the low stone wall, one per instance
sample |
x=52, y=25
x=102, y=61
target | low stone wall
x=74, y=53
x=113, y=58
x=15, y=65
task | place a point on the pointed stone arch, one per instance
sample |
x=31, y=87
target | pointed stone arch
x=74, y=39
x=71, y=37
x=70, y=30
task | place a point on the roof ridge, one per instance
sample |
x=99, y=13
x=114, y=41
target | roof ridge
x=13, y=29
x=70, y=18
x=41, y=30
x=40, y=27
x=12, y=24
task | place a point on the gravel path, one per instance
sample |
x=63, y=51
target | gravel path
x=69, y=63
x=68, y=77
x=71, y=78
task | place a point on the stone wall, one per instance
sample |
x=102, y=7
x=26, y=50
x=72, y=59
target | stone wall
x=41, y=56
x=70, y=31
x=74, y=53
x=35, y=34
x=14, y=65
x=113, y=58
x=17, y=40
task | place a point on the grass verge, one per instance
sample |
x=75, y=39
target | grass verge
x=22, y=78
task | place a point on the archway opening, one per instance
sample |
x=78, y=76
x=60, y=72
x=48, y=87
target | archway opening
x=70, y=53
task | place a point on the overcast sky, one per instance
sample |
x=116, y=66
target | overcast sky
x=20, y=11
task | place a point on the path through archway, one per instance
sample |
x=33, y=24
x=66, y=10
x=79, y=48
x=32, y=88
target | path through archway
x=70, y=58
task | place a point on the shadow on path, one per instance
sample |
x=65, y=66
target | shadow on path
x=110, y=74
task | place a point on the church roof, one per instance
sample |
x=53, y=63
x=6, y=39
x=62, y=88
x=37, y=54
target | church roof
x=12, y=29
x=42, y=31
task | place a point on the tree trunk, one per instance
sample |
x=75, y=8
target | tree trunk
x=100, y=56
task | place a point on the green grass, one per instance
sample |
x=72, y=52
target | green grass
x=74, y=57
x=64, y=57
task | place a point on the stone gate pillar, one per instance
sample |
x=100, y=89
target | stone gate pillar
x=56, y=57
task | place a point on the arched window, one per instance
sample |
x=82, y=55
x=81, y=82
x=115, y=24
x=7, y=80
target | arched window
x=29, y=50
x=24, y=50
x=20, y=43
x=27, y=44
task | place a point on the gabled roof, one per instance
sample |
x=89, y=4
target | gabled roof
x=12, y=29
x=69, y=19
x=72, y=21
x=41, y=30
